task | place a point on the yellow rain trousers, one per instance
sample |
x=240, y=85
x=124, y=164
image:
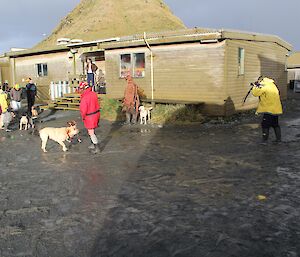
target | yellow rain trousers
x=3, y=102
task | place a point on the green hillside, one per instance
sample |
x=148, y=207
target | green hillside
x=97, y=19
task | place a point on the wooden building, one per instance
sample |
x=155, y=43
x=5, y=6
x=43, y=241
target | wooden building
x=211, y=68
x=60, y=63
x=293, y=67
x=5, y=71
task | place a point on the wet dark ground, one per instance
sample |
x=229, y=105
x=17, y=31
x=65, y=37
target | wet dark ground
x=180, y=191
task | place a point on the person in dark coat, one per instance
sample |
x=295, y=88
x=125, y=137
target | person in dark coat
x=31, y=92
x=90, y=113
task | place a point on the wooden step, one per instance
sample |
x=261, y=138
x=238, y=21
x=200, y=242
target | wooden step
x=66, y=108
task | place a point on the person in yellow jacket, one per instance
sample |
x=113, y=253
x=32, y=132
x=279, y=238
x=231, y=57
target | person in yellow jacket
x=269, y=105
x=3, y=106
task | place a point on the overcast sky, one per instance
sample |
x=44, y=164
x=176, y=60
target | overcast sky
x=24, y=23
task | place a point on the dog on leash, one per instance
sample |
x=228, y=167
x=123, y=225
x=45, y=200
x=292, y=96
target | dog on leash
x=145, y=114
x=58, y=135
x=26, y=122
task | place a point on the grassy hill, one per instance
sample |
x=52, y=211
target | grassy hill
x=96, y=19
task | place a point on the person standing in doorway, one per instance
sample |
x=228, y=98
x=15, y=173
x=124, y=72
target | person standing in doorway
x=90, y=113
x=31, y=92
x=91, y=69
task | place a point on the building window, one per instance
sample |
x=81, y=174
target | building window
x=133, y=64
x=139, y=65
x=42, y=69
x=241, y=61
x=125, y=65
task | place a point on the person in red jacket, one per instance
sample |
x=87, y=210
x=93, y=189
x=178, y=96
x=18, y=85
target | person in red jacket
x=90, y=113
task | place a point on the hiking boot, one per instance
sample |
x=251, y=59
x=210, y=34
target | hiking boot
x=91, y=147
x=96, y=150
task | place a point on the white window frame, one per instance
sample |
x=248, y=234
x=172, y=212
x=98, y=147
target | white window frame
x=42, y=69
x=132, y=64
x=241, y=61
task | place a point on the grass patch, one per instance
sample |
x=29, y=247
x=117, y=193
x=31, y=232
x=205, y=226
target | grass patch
x=176, y=113
x=111, y=109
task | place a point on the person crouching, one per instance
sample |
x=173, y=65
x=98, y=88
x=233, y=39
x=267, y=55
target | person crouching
x=16, y=97
x=270, y=106
x=90, y=113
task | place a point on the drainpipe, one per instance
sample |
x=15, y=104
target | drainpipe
x=152, y=69
x=74, y=64
x=13, y=71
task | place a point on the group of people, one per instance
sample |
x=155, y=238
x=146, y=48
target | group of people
x=10, y=101
x=264, y=88
x=90, y=108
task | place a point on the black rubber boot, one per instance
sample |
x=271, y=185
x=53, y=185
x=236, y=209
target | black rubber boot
x=265, y=135
x=96, y=150
x=128, y=118
x=134, y=119
x=277, y=131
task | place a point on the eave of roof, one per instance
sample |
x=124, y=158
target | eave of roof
x=30, y=52
x=293, y=60
x=192, y=35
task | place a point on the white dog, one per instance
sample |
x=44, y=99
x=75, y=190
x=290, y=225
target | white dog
x=26, y=122
x=58, y=135
x=145, y=114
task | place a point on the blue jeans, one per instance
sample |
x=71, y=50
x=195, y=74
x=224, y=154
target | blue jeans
x=91, y=79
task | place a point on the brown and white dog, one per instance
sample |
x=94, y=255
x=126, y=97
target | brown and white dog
x=58, y=135
x=34, y=113
x=145, y=114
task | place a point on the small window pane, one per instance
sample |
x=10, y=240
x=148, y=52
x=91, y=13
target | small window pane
x=139, y=65
x=39, y=70
x=125, y=65
x=241, y=61
x=45, y=70
x=42, y=69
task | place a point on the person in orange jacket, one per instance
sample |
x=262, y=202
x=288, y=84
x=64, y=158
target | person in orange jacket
x=131, y=101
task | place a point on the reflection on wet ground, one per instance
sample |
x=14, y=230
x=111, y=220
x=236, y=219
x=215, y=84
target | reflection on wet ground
x=185, y=191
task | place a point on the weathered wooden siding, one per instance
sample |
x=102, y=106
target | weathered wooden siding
x=261, y=58
x=59, y=67
x=115, y=84
x=182, y=73
x=5, y=71
x=293, y=74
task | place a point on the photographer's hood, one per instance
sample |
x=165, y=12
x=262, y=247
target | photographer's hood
x=267, y=81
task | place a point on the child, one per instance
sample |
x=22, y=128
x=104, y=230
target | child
x=7, y=117
x=3, y=105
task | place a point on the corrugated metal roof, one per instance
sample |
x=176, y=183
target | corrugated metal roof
x=37, y=51
x=167, y=37
x=188, y=35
